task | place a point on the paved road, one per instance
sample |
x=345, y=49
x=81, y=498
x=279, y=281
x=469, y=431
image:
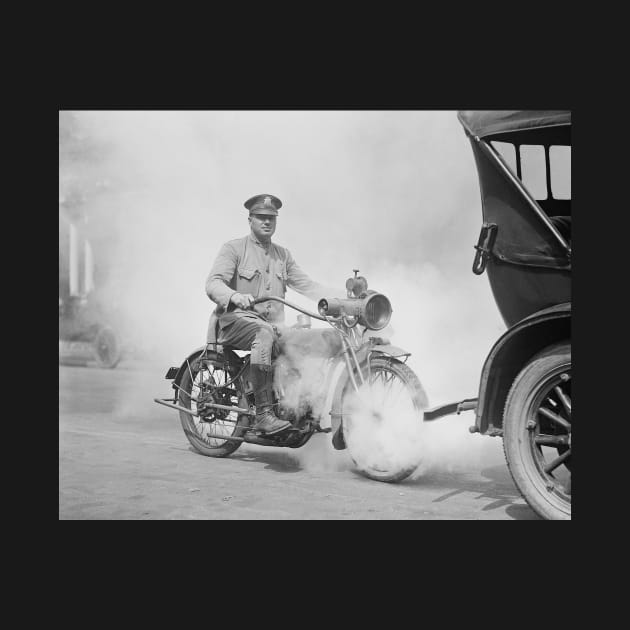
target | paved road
x=121, y=456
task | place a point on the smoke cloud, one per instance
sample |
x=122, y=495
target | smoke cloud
x=391, y=193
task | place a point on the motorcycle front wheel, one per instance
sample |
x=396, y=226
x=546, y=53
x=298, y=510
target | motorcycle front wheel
x=207, y=381
x=382, y=422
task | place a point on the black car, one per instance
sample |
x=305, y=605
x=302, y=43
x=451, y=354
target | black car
x=525, y=249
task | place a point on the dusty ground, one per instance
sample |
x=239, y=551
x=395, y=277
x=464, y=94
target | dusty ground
x=122, y=456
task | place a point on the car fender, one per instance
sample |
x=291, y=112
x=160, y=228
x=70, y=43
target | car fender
x=509, y=355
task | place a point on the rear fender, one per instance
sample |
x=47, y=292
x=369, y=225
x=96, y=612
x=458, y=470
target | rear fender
x=364, y=354
x=193, y=356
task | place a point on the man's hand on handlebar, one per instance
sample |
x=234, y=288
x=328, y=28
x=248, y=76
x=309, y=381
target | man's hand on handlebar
x=242, y=300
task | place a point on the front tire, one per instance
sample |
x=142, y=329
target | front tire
x=383, y=443
x=537, y=432
x=206, y=378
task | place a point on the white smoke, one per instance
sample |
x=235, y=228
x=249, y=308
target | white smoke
x=383, y=428
x=300, y=382
x=394, y=194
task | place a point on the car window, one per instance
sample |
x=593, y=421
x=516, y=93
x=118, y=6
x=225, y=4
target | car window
x=533, y=170
x=508, y=152
x=560, y=169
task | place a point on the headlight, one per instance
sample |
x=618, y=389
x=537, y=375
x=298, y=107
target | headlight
x=377, y=312
x=372, y=311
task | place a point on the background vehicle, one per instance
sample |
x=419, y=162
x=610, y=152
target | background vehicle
x=85, y=337
x=525, y=247
x=216, y=403
x=88, y=327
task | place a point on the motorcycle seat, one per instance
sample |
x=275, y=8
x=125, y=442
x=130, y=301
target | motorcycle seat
x=239, y=353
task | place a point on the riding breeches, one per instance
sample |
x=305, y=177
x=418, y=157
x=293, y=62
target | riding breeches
x=245, y=332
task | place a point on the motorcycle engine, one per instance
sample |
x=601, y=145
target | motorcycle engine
x=293, y=399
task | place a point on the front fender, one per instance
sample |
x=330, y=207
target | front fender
x=363, y=355
x=508, y=356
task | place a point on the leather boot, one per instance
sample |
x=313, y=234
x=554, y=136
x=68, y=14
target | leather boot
x=261, y=377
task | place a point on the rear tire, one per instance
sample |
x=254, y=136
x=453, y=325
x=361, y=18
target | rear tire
x=205, y=377
x=537, y=432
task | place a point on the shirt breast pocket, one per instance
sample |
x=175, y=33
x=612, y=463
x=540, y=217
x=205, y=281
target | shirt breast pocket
x=281, y=280
x=248, y=281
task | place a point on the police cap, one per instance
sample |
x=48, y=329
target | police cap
x=263, y=204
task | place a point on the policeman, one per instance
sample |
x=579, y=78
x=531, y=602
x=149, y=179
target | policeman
x=249, y=268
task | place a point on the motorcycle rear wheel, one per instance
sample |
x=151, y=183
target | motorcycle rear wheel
x=208, y=377
x=402, y=380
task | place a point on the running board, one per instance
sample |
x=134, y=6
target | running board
x=450, y=408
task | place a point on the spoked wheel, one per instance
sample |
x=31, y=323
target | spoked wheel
x=106, y=348
x=382, y=424
x=537, y=432
x=207, y=381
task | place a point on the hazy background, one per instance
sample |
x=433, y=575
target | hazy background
x=392, y=193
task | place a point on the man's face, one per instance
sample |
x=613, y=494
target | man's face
x=263, y=225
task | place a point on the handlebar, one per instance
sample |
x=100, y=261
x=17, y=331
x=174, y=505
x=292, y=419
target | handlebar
x=295, y=306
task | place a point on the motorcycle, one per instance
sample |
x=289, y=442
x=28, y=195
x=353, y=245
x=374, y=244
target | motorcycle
x=215, y=399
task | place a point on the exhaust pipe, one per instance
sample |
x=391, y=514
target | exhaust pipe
x=250, y=439
x=240, y=410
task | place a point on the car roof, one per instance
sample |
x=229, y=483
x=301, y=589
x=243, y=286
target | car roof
x=489, y=123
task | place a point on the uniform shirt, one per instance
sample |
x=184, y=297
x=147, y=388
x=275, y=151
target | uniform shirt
x=245, y=265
